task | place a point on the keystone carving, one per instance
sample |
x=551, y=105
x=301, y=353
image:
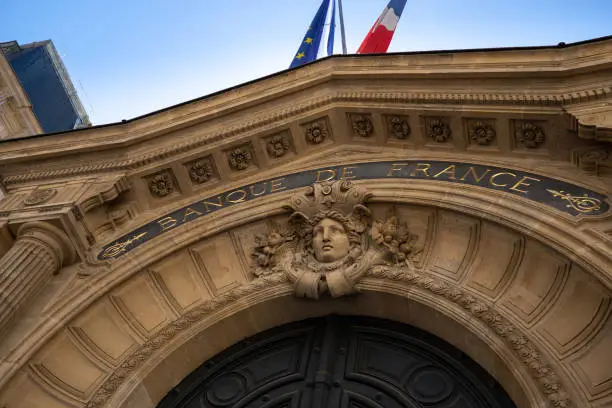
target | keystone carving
x=330, y=241
x=438, y=130
x=530, y=135
x=316, y=132
x=398, y=127
x=362, y=125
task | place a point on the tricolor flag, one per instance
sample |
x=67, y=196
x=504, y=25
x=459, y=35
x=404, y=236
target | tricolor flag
x=311, y=46
x=378, y=39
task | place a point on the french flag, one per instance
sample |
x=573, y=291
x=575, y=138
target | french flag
x=378, y=39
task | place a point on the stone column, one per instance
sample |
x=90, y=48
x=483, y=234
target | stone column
x=38, y=253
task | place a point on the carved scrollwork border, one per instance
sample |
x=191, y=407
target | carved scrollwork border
x=525, y=351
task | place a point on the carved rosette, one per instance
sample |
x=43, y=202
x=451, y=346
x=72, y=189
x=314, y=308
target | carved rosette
x=161, y=184
x=530, y=135
x=278, y=145
x=398, y=127
x=330, y=241
x=200, y=171
x=480, y=132
x=40, y=196
x=316, y=132
x=438, y=130
x=240, y=158
x=362, y=125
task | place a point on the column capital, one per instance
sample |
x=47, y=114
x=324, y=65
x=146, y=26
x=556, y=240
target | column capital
x=52, y=237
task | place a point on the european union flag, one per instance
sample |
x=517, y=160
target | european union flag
x=309, y=48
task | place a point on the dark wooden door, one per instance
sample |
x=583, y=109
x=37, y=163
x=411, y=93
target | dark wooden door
x=342, y=362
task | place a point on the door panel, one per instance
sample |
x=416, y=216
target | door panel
x=343, y=362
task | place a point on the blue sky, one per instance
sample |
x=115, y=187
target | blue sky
x=130, y=57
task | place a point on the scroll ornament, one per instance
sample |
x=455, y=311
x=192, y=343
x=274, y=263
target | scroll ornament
x=330, y=241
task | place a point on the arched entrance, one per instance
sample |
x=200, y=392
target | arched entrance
x=339, y=361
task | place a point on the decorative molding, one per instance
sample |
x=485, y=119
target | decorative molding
x=398, y=127
x=480, y=132
x=525, y=351
x=582, y=204
x=592, y=132
x=240, y=158
x=101, y=396
x=593, y=159
x=201, y=170
x=516, y=182
x=438, y=129
x=529, y=134
x=361, y=124
x=161, y=184
x=316, y=132
x=39, y=196
x=107, y=194
x=391, y=98
x=278, y=145
x=518, y=342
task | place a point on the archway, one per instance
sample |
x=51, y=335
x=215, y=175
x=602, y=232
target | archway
x=339, y=361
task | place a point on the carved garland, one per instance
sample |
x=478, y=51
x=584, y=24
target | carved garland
x=525, y=351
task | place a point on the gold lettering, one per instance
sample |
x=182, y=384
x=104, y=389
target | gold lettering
x=190, y=211
x=493, y=177
x=421, y=167
x=277, y=185
x=207, y=203
x=241, y=199
x=263, y=190
x=521, y=182
x=347, y=173
x=167, y=223
x=395, y=167
x=476, y=177
x=332, y=175
x=450, y=170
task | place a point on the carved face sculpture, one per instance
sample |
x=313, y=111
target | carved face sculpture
x=330, y=241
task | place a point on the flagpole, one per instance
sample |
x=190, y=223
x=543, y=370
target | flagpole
x=342, y=34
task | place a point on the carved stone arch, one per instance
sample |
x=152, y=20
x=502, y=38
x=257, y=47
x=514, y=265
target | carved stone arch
x=340, y=361
x=523, y=346
x=157, y=377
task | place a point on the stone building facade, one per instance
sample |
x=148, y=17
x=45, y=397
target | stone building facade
x=416, y=230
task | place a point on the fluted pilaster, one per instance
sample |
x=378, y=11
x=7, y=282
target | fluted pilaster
x=39, y=252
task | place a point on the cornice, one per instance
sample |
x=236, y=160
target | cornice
x=592, y=132
x=288, y=112
x=521, y=62
x=288, y=95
